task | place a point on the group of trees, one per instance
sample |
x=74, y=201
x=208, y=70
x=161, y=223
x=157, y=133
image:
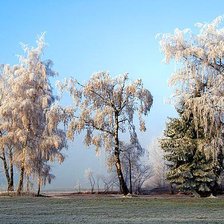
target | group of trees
x=193, y=142
x=30, y=116
x=105, y=108
x=135, y=170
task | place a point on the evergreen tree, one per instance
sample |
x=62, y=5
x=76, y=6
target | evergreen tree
x=191, y=166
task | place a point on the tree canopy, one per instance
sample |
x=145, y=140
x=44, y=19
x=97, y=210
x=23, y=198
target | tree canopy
x=199, y=76
x=103, y=108
x=29, y=115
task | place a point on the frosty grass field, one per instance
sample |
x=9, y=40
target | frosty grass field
x=102, y=209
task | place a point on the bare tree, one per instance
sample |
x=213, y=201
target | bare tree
x=141, y=175
x=131, y=161
x=136, y=171
x=110, y=182
x=98, y=179
x=91, y=179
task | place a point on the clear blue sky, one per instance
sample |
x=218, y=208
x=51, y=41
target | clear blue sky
x=85, y=36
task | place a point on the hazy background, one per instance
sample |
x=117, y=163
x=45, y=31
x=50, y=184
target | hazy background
x=86, y=36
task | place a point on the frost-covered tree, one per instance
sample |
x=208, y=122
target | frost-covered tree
x=190, y=168
x=105, y=107
x=29, y=117
x=158, y=164
x=199, y=78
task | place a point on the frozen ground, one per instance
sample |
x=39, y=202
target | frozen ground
x=110, y=209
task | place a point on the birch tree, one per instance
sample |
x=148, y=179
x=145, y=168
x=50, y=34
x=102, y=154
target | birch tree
x=29, y=116
x=105, y=107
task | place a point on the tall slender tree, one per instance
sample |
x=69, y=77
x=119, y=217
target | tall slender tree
x=29, y=117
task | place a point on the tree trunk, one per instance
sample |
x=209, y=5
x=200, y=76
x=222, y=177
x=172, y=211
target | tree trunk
x=11, y=184
x=27, y=183
x=98, y=186
x=22, y=172
x=6, y=169
x=217, y=189
x=39, y=186
x=123, y=186
x=130, y=179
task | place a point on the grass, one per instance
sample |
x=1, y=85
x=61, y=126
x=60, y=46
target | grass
x=102, y=209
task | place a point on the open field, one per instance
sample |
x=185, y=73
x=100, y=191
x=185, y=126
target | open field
x=110, y=209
